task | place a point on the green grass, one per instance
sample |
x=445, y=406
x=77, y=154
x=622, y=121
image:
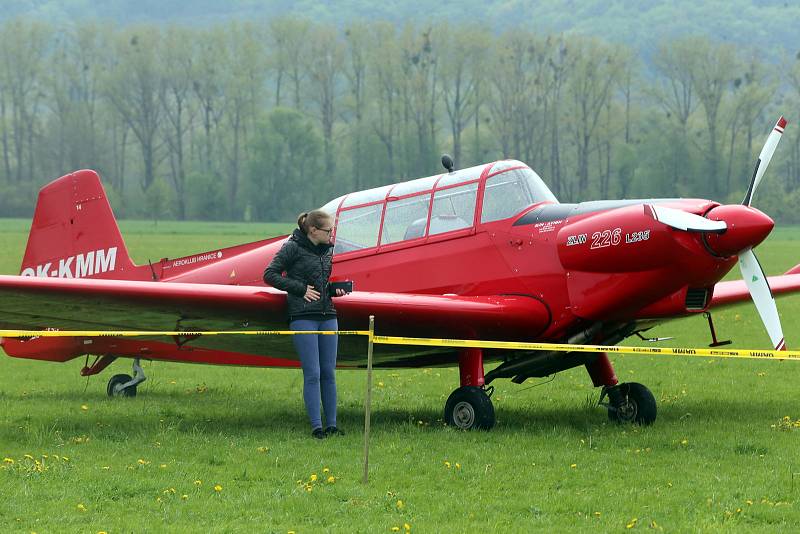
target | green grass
x=719, y=458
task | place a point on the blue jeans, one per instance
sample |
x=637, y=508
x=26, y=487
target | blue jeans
x=318, y=359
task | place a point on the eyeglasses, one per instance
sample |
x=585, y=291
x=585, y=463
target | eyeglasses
x=326, y=230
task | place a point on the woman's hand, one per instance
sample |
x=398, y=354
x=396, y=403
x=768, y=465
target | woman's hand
x=341, y=292
x=311, y=294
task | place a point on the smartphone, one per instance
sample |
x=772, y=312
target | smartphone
x=347, y=285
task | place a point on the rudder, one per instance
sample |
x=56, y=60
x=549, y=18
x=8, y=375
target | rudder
x=74, y=233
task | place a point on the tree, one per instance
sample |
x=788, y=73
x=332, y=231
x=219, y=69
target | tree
x=134, y=86
x=284, y=167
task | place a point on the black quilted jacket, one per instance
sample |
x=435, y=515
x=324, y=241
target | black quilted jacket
x=304, y=264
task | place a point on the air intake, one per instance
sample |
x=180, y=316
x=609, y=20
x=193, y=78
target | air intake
x=696, y=299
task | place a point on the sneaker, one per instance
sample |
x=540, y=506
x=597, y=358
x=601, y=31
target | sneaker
x=318, y=433
x=333, y=431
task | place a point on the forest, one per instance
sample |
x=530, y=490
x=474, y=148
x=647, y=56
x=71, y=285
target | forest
x=257, y=121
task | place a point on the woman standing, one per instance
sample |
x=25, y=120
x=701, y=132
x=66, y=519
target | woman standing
x=306, y=260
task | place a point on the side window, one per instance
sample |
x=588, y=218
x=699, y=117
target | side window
x=506, y=194
x=453, y=208
x=405, y=219
x=358, y=228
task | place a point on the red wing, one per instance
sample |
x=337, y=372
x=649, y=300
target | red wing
x=77, y=304
x=726, y=293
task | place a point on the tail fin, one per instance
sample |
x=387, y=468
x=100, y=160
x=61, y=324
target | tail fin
x=74, y=233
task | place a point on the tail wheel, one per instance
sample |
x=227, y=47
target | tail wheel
x=632, y=403
x=468, y=408
x=115, y=386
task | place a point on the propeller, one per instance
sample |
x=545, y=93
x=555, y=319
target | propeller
x=761, y=293
x=683, y=220
x=764, y=159
x=749, y=266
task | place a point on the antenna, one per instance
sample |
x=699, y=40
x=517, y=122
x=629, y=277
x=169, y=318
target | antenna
x=447, y=162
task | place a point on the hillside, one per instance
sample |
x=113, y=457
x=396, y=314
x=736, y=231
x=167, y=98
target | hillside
x=768, y=25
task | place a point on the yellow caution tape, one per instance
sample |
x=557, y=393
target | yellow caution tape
x=565, y=347
x=456, y=343
x=181, y=333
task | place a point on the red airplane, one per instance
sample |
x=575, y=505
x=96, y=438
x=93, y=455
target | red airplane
x=486, y=253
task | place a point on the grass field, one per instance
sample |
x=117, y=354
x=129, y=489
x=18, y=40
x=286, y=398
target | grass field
x=227, y=449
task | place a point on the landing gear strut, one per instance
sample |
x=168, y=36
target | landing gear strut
x=469, y=407
x=123, y=385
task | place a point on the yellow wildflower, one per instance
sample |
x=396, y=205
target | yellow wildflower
x=65, y=458
x=263, y=449
x=163, y=466
x=331, y=479
x=142, y=462
x=81, y=507
x=84, y=407
x=217, y=488
x=447, y=464
x=313, y=477
x=458, y=465
x=29, y=457
x=184, y=497
x=597, y=514
x=400, y=504
x=326, y=470
x=407, y=527
x=573, y=466
x=198, y=482
x=632, y=523
x=8, y=460
x=395, y=529
x=684, y=442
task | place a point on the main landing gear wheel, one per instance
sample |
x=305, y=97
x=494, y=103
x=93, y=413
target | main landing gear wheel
x=468, y=408
x=124, y=385
x=631, y=403
x=116, y=386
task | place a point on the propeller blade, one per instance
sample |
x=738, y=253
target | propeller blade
x=683, y=220
x=762, y=297
x=764, y=159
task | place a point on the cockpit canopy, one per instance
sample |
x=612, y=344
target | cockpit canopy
x=434, y=205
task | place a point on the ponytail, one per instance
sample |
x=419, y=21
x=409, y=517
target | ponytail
x=301, y=222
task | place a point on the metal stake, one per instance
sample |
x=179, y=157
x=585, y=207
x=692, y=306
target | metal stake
x=368, y=400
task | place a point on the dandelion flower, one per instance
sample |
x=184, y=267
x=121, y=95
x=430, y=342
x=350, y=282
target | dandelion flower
x=198, y=482
x=400, y=504
x=29, y=457
x=65, y=458
x=632, y=523
x=326, y=470
x=331, y=479
x=447, y=464
x=263, y=449
x=313, y=477
x=684, y=442
x=184, y=497
x=395, y=529
x=163, y=466
x=217, y=488
x=81, y=507
x=458, y=465
x=8, y=460
x=142, y=462
x=84, y=407
x=573, y=466
x=407, y=527
x=102, y=532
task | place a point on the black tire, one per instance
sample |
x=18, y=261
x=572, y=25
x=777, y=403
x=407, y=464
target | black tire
x=638, y=405
x=117, y=380
x=469, y=408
